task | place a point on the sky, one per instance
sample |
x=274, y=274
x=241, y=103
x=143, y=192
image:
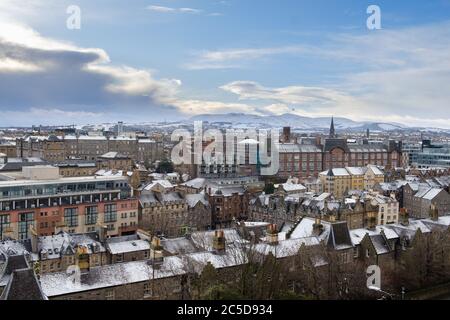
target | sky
x=145, y=61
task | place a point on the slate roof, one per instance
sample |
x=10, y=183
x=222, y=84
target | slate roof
x=15, y=263
x=380, y=244
x=330, y=144
x=23, y=285
x=17, y=166
x=339, y=237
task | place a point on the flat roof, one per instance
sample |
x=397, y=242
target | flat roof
x=18, y=183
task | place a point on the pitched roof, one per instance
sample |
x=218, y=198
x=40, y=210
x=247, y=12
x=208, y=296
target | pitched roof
x=380, y=244
x=339, y=237
x=23, y=285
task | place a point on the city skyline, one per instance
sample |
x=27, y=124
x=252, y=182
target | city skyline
x=168, y=60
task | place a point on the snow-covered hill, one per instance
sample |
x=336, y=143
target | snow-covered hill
x=294, y=121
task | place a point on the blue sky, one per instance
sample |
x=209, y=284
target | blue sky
x=143, y=61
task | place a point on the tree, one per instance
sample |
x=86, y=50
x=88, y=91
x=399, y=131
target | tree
x=269, y=188
x=165, y=166
x=221, y=292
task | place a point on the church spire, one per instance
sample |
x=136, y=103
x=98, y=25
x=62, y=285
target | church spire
x=332, y=130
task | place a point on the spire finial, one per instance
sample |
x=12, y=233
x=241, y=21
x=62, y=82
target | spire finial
x=332, y=130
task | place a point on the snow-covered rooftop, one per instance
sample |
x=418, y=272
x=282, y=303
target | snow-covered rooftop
x=61, y=283
x=127, y=246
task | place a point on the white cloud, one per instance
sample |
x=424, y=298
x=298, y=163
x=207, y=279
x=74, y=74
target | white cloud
x=238, y=58
x=294, y=95
x=192, y=106
x=36, y=70
x=278, y=109
x=190, y=10
x=162, y=9
x=402, y=78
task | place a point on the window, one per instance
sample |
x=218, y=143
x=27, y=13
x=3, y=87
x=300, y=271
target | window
x=355, y=252
x=110, y=212
x=25, y=221
x=147, y=290
x=4, y=223
x=71, y=217
x=367, y=253
x=109, y=295
x=91, y=215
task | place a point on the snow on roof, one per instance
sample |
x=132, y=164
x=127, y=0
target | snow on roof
x=193, y=199
x=285, y=248
x=55, y=245
x=289, y=187
x=250, y=224
x=127, y=246
x=422, y=192
x=409, y=230
x=170, y=197
x=70, y=137
x=148, y=197
x=380, y=244
x=305, y=229
x=431, y=194
x=322, y=196
x=444, y=220
x=178, y=245
x=163, y=183
x=123, y=138
x=230, y=258
x=340, y=172
x=146, y=141
x=204, y=239
x=61, y=283
x=12, y=248
x=112, y=173
x=358, y=234
x=375, y=170
x=197, y=183
x=113, y=155
x=357, y=171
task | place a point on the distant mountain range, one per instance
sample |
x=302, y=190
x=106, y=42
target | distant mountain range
x=295, y=122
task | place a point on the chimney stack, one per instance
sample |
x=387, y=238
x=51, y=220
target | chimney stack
x=156, y=252
x=317, y=227
x=272, y=234
x=287, y=134
x=434, y=213
x=372, y=223
x=404, y=216
x=102, y=233
x=34, y=239
x=219, y=241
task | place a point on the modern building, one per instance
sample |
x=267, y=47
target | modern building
x=433, y=156
x=76, y=205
